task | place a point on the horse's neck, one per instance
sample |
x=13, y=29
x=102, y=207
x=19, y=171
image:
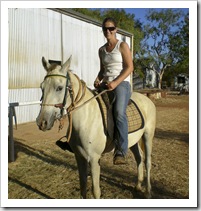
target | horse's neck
x=74, y=83
x=81, y=111
x=80, y=91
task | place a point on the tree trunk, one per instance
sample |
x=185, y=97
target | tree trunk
x=160, y=81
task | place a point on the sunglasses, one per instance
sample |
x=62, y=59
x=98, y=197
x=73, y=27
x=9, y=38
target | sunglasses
x=109, y=28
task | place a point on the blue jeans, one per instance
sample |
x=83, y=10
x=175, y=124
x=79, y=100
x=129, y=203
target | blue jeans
x=123, y=94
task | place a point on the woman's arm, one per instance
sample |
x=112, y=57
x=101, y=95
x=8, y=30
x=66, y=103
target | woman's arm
x=100, y=74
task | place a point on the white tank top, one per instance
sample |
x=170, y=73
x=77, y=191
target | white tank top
x=112, y=62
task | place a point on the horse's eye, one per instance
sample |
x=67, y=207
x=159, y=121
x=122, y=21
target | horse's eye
x=59, y=88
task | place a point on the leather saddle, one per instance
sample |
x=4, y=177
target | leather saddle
x=134, y=115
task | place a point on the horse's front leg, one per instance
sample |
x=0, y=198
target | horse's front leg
x=95, y=171
x=83, y=173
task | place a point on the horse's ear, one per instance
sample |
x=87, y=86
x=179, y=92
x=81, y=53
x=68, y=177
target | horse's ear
x=46, y=64
x=66, y=65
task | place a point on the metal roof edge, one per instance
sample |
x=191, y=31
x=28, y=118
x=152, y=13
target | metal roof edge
x=80, y=16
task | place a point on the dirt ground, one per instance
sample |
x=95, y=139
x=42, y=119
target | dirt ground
x=44, y=171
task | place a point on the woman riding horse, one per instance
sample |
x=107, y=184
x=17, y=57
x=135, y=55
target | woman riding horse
x=115, y=68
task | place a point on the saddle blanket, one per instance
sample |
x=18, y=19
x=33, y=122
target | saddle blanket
x=134, y=115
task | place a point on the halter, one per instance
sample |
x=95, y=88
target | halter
x=67, y=87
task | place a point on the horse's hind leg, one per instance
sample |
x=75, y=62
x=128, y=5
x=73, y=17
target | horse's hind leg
x=148, y=138
x=83, y=173
x=138, y=154
x=95, y=171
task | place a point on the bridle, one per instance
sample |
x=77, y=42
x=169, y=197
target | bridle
x=67, y=88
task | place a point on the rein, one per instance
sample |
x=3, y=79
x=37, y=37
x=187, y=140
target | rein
x=75, y=100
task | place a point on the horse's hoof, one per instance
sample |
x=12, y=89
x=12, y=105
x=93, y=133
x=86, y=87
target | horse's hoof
x=148, y=195
x=138, y=187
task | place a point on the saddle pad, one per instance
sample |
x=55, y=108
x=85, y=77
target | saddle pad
x=134, y=115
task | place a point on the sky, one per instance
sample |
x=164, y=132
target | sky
x=141, y=12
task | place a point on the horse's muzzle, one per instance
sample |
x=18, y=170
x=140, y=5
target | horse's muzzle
x=43, y=125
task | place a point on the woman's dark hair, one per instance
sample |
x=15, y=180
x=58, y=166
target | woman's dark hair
x=110, y=20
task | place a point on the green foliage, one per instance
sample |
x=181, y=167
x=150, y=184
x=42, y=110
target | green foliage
x=179, y=45
x=95, y=14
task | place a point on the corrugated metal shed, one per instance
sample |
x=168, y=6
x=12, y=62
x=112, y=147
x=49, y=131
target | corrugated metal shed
x=55, y=34
x=32, y=34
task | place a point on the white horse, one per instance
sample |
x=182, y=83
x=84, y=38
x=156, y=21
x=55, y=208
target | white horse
x=88, y=140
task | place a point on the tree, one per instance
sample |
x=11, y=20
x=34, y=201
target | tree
x=157, y=52
x=95, y=13
x=179, y=46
